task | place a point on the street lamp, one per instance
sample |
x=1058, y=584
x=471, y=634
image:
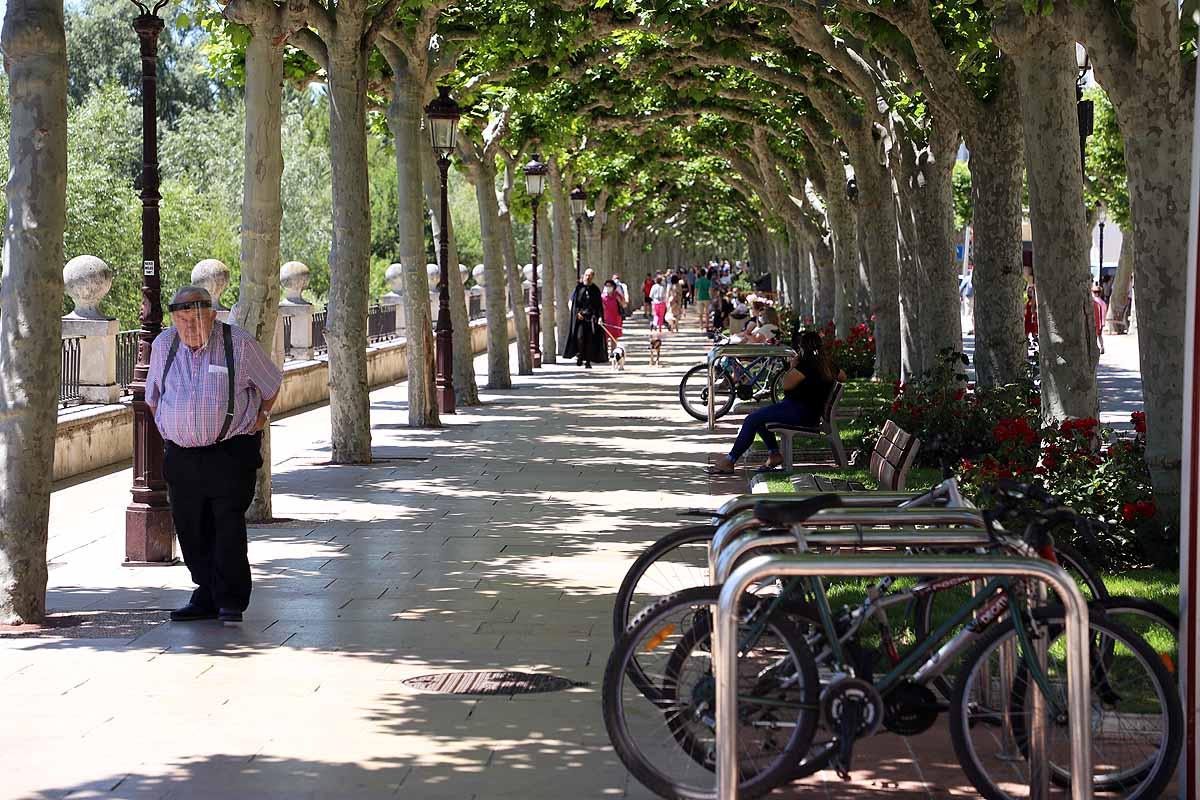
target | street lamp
x=535, y=183
x=579, y=200
x=442, y=114
x=149, y=531
x=1085, y=108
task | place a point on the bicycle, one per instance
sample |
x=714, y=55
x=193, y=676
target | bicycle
x=752, y=380
x=793, y=634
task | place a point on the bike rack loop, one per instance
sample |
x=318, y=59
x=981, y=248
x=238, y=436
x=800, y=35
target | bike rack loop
x=721, y=350
x=763, y=567
x=740, y=523
x=849, y=500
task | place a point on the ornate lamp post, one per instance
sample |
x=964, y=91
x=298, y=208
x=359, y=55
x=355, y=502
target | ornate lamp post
x=149, y=532
x=1086, y=108
x=579, y=200
x=535, y=183
x=443, y=115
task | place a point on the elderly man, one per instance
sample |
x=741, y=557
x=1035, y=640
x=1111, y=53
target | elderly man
x=585, y=341
x=210, y=389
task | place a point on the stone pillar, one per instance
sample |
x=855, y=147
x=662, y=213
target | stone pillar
x=213, y=275
x=480, y=278
x=87, y=281
x=394, y=299
x=293, y=277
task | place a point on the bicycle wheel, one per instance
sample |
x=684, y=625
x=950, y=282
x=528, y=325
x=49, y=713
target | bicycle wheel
x=693, y=393
x=777, y=386
x=1154, y=623
x=667, y=740
x=675, y=562
x=1137, y=719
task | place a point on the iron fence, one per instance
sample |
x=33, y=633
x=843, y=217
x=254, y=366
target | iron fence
x=68, y=387
x=381, y=323
x=127, y=355
x=318, y=332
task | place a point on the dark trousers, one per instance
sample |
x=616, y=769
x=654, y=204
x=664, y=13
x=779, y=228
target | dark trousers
x=584, y=331
x=210, y=489
x=786, y=411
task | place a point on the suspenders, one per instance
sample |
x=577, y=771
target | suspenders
x=227, y=332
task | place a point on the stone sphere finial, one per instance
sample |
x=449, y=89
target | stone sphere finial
x=435, y=274
x=478, y=274
x=463, y=273
x=87, y=280
x=293, y=276
x=212, y=275
x=394, y=275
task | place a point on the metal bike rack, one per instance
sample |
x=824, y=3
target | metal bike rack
x=972, y=535
x=725, y=651
x=735, y=505
x=736, y=350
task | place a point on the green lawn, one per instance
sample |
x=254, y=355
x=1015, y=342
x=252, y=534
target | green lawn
x=919, y=478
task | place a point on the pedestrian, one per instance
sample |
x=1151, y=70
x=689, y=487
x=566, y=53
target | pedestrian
x=622, y=293
x=702, y=296
x=740, y=315
x=210, y=388
x=966, y=294
x=806, y=386
x=1100, y=310
x=675, y=299
x=585, y=342
x=691, y=286
x=657, y=299
x=611, y=301
x=720, y=311
x=647, y=285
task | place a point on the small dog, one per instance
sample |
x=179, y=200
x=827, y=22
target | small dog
x=655, y=350
x=617, y=358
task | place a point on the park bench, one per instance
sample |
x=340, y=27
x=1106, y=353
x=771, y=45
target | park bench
x=826, y=429
x=891, y=460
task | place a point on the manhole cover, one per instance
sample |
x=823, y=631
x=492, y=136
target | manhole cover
x=490, y=682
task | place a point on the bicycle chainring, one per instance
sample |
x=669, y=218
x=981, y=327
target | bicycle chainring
x=840, y=695
x=910, y=709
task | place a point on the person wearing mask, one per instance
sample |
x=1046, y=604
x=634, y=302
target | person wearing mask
x=719, y=314
x=610, y=299
x=210, y=388
x=740, y=315
x=622, y=294
x=647, y=285
x=1100, y=310
x=702, y=299
x=806, y=387
x=675, y=300
x=585, y=342
x=658, y=304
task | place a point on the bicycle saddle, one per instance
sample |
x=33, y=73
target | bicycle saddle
x=783, y=513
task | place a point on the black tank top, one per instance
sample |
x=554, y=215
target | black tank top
x=813, y=391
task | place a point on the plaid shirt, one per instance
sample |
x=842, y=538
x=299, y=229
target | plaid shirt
x=190, y=402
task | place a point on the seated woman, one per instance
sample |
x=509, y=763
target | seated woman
x=806, y=387
x=762, y=329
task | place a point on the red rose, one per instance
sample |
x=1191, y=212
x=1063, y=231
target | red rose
x=960, y=394
x=1049, y=462
x=1127, y=511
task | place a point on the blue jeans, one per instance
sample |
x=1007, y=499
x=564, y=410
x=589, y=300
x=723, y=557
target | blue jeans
x=786, y=411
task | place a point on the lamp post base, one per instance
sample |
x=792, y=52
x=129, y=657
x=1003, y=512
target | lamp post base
x=444, y=359
x=149, y=536
x=535, y=336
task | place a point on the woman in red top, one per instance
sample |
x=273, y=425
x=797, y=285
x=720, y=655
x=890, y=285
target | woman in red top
x=612, y=313
x=647, y=285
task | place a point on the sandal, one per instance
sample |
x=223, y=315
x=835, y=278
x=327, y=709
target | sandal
x=711, y=469
x=769, y=468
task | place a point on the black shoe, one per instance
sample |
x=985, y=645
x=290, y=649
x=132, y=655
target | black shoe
x=588, y=365
x=579, y=362
x=229, y=615
x=192, y=612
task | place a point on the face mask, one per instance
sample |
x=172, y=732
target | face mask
x=607, y=291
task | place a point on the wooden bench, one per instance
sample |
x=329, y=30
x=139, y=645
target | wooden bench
x=891, y=460
x=825, y=429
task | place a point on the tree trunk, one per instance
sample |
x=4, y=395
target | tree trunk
x=547, y=271
x=349, y=257
x=825, y=278
x=1046, y=74
x=563, y=242
x=912, y=352
x=512, y=268
x=1118, y=303
x=466, y=392
x=483, y=174
x=257, y=307
x=404, y=119
x=877, y=215
x=35, y=58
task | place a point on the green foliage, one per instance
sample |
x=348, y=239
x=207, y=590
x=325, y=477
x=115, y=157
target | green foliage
x=961, y=182
x=1106, y=178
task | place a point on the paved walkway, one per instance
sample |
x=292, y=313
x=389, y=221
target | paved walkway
x=497, y=541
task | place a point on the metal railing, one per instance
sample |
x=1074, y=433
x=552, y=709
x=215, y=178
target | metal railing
x=68, y=387
x=760, y=568
x=318, y=332
x=127, y=355
x=381, y=323
x=736, y=351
